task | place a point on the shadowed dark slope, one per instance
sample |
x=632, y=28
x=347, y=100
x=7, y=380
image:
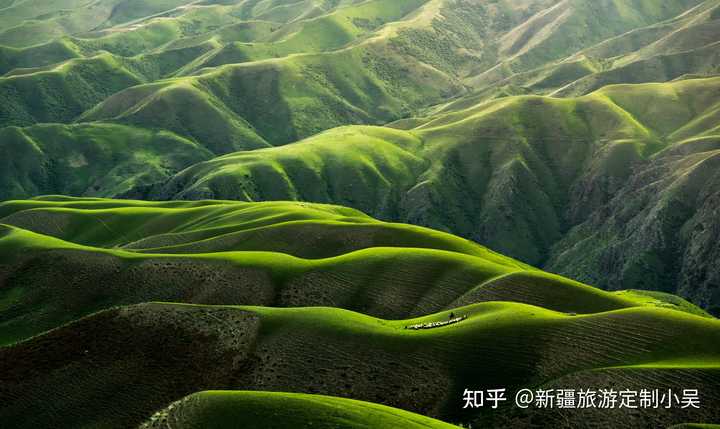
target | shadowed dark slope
x=110, y=370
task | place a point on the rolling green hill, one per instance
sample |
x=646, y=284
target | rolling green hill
x=654, y=45
x=359, y=53
x=66, y=264
x=563, y=159
x=336, y=63
x=242, y=75
x=517, y=174
x=84, y=366
x=279, y=213
x=97, y=159
x=220, y=409
x=270, y=254
x=63, y=92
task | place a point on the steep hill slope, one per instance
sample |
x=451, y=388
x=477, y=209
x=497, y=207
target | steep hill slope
x=248, y=75
x=657, y=233
x=682, y=46
x=85, y=366
x=61, y=93
x=89, y=159
x=515, y=174
x=66, y=264
x=221, y=409
x=272, y=254
x=324, y=65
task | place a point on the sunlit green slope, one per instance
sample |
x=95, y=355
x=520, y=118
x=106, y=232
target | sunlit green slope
x=224, y=409
x=271, y=73
x=306, y=298
x=90, y=159
x=624, y=42
x=117, y=367
x=84, y=255
x=515, y=174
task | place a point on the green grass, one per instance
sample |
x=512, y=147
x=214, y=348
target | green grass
x=282, y=254
x=335, y=352
x=241, y=100
x=33, y=22
x=60, y=93
x=467, y=168
x=325, y=33
x=39, y=56
x=89, y=159
x=551, y=162
x=282, y=100
x=297, y=98
x=220, y=409
x=566, y=29
x=653, y=51
x=342, y=63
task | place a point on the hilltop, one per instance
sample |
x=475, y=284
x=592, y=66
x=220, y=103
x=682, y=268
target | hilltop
x=218, y=409
x=259, y=74
x=509, y=123
x=268, y=254
x=281, y=212
x=345, y=354
x=532, y=177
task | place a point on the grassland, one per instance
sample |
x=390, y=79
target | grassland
x=516, y=174
x=299, y=96
x=239, y=76
x=673, y=49
x=361, y=54
x=221, y=409
x=269, y=254
x=271, y=349
x=580, y=136
x=98, y=159
x=311, y=299
x=337, y=63
x=529, y=176
x=627, y=42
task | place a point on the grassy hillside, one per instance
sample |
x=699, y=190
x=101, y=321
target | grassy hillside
x=569, y=27
x=663, y=51
x=553, y=163
x=280, y=101
x=337, y=63
x=221, y=409
x=253, y=74
x=580, y=136
x=365, y=84
x=340, y=353
x=657, y=232
x=271, y=254
x=515, y=174
x=369, y=168
x=61, y=93
x=66, y=264
x=89, y=159
x=324, y=33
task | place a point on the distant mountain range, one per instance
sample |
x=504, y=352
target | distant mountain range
x=179, y=99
